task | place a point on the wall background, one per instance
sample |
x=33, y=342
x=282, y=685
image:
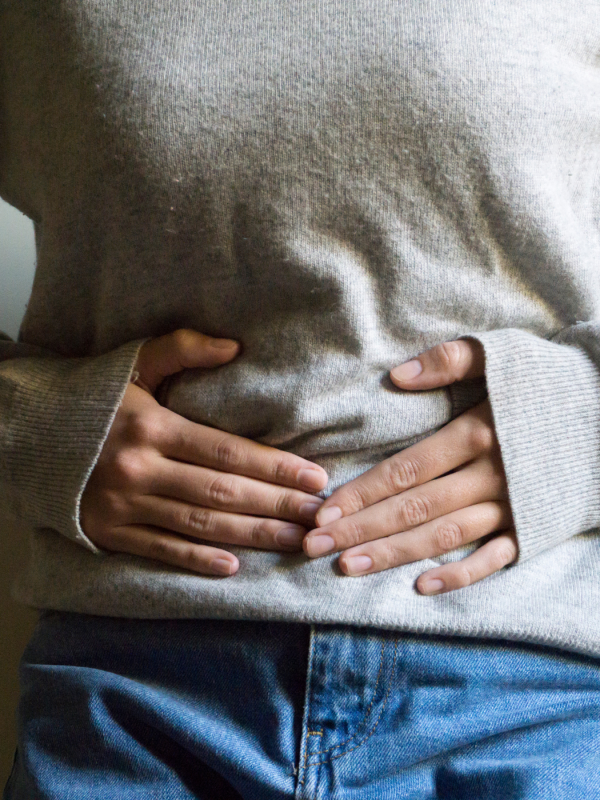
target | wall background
x=17, y=260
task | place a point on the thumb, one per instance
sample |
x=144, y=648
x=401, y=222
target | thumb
x=182, y=349
x=442, y=365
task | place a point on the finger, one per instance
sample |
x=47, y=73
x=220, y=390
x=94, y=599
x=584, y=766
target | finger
x=427, y=541
x=475, y=483
x=147, y=542
x=444, y=364
x=460, y=441
x=181, y=349
x=487, y=559
x=219, y=526
x=233, y=493
x=198, y=444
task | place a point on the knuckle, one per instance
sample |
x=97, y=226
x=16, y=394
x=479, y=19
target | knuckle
x=354, y=497
x=259, y=535
x=447, y=356
x=505, y=552
x=220, y=490
x=187, y=556
x=160, y=549
x=182, y=340
x=228, y=452
x=448, y=536
x=142, y=428
x=403, y=472
x=283, y=504
x=392, y=553
x=415, y=511
x=281, y=470
x=128, y=467
x=353, y=533
x=481, y=437
x=199, y=521
x=462, y=576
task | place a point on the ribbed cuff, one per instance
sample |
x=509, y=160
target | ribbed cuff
x=545, y=398
x=55, y=414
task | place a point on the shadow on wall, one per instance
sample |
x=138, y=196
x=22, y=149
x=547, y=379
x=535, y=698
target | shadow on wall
x=17, y=258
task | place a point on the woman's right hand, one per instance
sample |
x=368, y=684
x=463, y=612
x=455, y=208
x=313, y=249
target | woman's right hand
x=162, y=482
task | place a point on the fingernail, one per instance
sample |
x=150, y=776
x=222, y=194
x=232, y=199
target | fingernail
x=310, y=478
x=432, y=586
x=329, y=514
x=355, y=565
x=222, y=566
x=408, y=371
x=319, y=545
x=310, y=509
x=290, y=537
x=223, y=344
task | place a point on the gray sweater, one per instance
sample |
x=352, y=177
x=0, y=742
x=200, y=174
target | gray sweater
x=339, y=185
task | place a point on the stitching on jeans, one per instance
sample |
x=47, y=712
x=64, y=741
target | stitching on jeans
x=372, y=731
x=307, y=704
x=363, y=721
x=306, y=764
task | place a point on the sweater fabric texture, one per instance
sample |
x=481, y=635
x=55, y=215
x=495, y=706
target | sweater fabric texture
x=339, y=186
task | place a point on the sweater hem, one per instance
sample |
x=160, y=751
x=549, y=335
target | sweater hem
x=280, y=587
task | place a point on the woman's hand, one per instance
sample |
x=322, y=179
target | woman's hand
x=444, y=492
x=162, y=482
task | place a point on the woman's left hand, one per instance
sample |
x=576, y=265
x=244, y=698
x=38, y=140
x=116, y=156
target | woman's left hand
x=444, y=492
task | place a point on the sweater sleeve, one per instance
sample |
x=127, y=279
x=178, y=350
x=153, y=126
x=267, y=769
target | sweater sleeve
x=545, y=398
x=55, y=414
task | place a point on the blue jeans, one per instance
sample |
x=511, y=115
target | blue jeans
x=217, y=710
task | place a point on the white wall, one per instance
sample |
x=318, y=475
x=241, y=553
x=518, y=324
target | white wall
x=17, y=257
x=17, y=261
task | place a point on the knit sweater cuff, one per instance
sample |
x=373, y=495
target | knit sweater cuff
x=545, y=398
x=55, y=414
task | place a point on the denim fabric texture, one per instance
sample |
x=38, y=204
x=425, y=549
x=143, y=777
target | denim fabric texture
x=217, y=710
